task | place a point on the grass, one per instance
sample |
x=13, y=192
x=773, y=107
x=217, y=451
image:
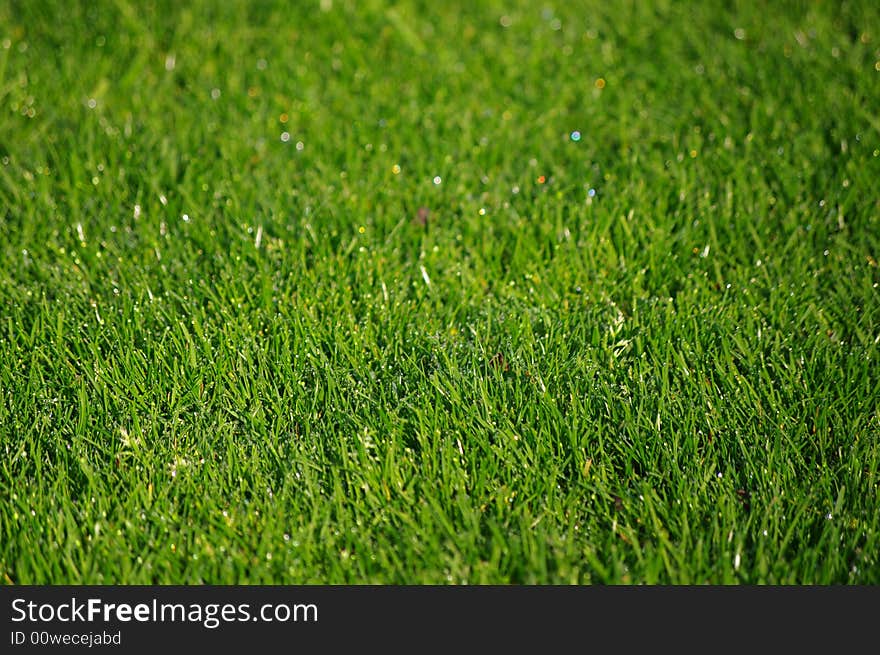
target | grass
x=417, y=293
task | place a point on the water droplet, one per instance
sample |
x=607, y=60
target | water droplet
x=575, y=136
x=437, y=179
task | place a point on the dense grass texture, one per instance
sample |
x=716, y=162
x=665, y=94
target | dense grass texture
x=420, y=292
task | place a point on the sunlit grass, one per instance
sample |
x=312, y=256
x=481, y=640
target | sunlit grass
x=439, y=293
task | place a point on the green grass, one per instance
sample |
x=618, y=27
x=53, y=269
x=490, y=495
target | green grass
x=245, y=337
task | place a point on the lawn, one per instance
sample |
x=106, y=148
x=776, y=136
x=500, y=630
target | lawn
x=453, y=293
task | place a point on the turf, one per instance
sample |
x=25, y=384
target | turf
x=338, y=292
